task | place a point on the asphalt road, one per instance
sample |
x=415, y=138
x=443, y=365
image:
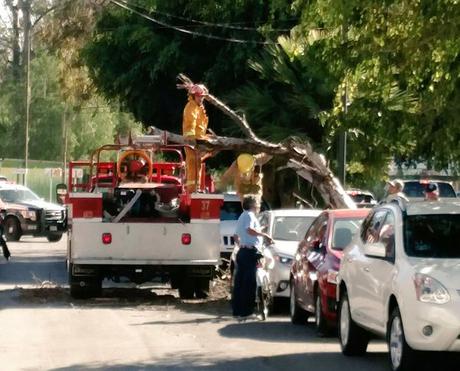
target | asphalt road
x=42, y=328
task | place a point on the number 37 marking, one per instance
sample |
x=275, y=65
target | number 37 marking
x=205, y=205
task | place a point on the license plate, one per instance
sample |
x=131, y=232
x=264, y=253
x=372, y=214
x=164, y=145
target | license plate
x=53, y=228
x=32, y=227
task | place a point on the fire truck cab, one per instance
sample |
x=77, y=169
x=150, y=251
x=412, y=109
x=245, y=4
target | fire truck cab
x=130, y=216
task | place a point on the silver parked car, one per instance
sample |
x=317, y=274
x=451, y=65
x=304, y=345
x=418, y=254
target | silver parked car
x=287, y=227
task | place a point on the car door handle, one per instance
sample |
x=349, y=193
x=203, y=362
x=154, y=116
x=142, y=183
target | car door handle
x=366, y=269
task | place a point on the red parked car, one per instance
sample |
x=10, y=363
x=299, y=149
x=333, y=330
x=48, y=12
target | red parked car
x=316, y=264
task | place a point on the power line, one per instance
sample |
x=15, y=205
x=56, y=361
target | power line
x=210, y=24
x=183, y=30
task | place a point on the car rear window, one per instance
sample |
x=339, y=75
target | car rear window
x=432, y=236
x=344, y=231
x=417, y=189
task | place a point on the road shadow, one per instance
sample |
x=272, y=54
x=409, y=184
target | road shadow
x=293, y=362
x=274, y=330
x=324, y=361
x=33, y=272
x=48, y=294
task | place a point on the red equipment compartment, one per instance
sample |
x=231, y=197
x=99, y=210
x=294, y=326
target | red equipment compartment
x=205, y=206
x=86, y=205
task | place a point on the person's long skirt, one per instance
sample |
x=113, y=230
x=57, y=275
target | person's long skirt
x=244, y=289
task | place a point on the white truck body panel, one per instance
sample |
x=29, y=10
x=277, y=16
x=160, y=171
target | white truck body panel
x=144, y=243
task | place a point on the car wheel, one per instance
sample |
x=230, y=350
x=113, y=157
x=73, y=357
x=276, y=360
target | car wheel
x=401, y=355
x=12, y=229
x=322, y=327
x=353, y=339
x=54, y=237
x=299, y=316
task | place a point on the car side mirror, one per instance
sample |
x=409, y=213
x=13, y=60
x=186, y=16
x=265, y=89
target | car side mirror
x=375, y=250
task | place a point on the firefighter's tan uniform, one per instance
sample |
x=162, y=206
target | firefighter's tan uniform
x=246, y=183
x=194, y=126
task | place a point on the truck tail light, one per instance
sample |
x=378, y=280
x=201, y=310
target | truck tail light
x=106, y=238
x=186, y=238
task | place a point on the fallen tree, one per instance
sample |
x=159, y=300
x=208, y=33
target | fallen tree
x=299, y=155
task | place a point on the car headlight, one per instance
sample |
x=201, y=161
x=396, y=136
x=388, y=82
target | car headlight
x=283, y=259
x=29, y=214
x=429, y=290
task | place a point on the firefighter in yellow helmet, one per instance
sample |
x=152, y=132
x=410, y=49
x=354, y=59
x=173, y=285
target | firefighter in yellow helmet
x=194, y=126
x=246, y=175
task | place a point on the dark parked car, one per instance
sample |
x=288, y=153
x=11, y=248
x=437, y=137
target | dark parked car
x=316, y=265
x=28, y=214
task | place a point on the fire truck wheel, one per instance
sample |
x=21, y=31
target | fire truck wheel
x=12, y=229
x=54, y=237
x=187, y=289
x=91, y=288
x=201, y=287
x=84, y=287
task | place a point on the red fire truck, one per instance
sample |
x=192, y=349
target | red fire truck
x=131, y=217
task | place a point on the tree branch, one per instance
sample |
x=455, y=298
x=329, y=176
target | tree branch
x=299, y=156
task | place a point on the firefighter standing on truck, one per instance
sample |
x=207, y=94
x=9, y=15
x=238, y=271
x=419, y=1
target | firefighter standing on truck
x=194, y=126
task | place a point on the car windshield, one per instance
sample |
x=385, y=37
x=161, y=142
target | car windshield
x=231, y=210
x=432, y=236
x=344, y=231
x=417, y=189
x=291, y=228
x=17, y=195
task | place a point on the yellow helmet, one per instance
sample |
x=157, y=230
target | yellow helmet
x=245, y=162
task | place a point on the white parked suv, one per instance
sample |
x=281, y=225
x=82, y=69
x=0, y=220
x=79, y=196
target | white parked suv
x=229, y=213
x=400, y=279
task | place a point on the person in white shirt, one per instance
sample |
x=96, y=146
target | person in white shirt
x=250, y=240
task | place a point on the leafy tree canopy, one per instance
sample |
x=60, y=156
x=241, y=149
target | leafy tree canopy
x=135, y=60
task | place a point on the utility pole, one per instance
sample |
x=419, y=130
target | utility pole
x=342, y=139
x=25, y=6
x=64, y=141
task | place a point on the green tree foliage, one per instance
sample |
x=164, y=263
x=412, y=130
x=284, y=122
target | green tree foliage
x=395, y=61
x=63, y=99
x=136, y=60
x=399, y=62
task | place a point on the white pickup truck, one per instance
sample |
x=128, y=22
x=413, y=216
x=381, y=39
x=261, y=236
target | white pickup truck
x=133, y=218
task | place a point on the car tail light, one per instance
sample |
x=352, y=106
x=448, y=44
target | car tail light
x=186, y=238
x=106, y=238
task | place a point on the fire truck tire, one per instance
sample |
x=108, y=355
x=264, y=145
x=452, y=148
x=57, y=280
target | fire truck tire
x=201, y=287
x=84, y=287
x=187, y=289
x=12, y=229
x=54, y=237
x=91, y=288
